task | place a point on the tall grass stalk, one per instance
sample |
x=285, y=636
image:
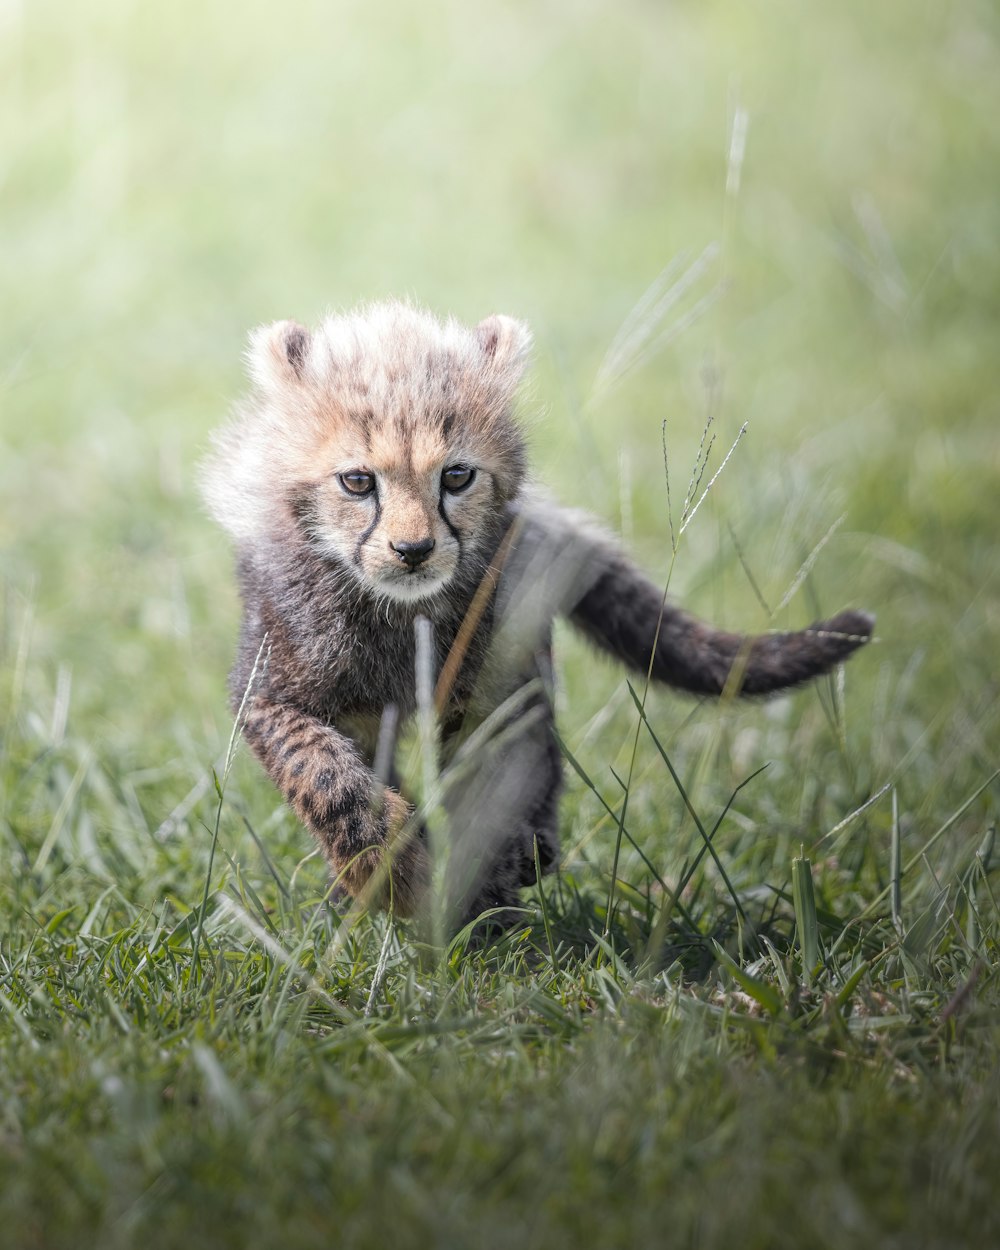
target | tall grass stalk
x=256, y=673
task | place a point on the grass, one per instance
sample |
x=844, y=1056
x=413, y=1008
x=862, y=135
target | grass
x=783, y=1030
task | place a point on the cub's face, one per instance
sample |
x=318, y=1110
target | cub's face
x=385, y=436
x=401, y=507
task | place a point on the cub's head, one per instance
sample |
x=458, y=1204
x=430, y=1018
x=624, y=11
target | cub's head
x=386, y=437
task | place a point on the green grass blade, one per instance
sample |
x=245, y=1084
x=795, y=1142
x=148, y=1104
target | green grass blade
x=806, y=920
x=762, y=993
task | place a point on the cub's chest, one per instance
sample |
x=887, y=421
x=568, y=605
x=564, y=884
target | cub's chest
x=370, y=665
x=384, y=707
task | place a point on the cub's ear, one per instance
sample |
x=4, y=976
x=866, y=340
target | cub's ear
x=504, y=341
x=277, y=354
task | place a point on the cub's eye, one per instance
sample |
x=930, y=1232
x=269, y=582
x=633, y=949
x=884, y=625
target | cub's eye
x=357, y=482
x=457, y=477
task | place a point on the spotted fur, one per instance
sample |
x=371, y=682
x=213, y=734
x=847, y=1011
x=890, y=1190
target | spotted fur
x=377, y=474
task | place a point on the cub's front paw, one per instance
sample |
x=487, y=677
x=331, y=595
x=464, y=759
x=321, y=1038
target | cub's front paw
x=393, y=871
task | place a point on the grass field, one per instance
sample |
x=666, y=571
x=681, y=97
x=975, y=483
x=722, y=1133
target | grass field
x=740, y=1061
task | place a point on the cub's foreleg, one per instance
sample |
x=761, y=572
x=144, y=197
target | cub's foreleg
x=359, y=824
x=500, y=811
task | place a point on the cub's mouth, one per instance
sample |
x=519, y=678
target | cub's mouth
x=409, y=585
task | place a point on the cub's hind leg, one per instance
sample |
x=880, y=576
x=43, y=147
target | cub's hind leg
x=358, y=823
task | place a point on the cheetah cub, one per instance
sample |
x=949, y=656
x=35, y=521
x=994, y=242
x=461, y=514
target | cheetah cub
x=376, y=475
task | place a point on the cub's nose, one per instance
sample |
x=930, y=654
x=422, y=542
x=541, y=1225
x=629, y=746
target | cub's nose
x=413, y=554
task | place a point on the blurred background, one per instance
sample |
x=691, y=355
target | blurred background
x=820, y=185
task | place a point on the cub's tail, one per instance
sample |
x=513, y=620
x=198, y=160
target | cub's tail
x=622, y=613
x=619, y=608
